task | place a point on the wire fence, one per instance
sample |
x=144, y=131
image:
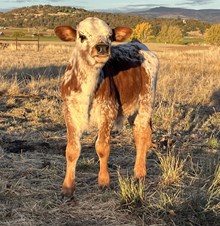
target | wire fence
x=5, y=42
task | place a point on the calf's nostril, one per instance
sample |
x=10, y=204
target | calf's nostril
x=99, y=49
x=102, y=49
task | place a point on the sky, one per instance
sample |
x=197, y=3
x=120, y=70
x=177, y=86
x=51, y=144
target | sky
x=122, y=5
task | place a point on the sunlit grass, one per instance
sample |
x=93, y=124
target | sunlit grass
x=131, y=191
x=172, y=168
x=213, y=203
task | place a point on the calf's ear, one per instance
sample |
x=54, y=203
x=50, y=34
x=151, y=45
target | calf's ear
x=121, y=34
x=65, y=33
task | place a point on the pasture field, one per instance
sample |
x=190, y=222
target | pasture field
x=183, y=180
x=47, y=35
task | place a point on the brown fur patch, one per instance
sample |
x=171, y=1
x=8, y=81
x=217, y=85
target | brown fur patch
x=124, y=80
x=69, y=84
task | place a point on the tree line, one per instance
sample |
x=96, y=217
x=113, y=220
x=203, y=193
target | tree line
x=173, y=34
x=51, y=16
x=163, y=29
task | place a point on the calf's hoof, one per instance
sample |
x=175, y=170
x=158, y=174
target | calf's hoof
x=67, y=191
x=140, y=173
x=103, y=180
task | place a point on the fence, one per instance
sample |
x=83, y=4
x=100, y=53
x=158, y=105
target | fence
x=6, y=42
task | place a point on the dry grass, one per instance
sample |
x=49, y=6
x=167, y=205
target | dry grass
x=131, y=191
x=213, y=203
x=177, y=191
x=171, y=168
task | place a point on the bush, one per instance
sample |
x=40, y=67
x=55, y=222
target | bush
x=213, y=34
x=169, y=34
x=142, y=32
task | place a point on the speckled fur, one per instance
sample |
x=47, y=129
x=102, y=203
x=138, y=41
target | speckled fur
x=103, y=94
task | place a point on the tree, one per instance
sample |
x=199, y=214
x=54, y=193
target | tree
x=155, y=30
x=142, y=32
x=213, y=34
x=169, y=34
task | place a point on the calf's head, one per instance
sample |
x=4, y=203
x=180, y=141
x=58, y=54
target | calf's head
x=93, y=39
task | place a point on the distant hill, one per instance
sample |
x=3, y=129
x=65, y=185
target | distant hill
x=209, y=15
x=34, y=13
x=2, y=10
x=48, y=17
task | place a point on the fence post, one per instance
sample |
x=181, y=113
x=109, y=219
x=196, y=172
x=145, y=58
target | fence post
x=16, y=43
x=17, y=40
x=38, y=43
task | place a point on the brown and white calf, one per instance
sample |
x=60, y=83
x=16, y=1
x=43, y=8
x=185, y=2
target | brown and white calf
x=102, y=85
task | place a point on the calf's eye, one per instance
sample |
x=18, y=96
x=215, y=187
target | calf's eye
x=82, y=37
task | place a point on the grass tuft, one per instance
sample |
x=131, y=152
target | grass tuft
x=213, y=142
x=131, y=191
x=168, y=200
x=213, y=203
x=172, y=168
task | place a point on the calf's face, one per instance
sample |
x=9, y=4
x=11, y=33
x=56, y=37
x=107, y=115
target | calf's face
x=93, y=39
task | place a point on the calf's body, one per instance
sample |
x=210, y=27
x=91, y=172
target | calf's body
x=102, y=85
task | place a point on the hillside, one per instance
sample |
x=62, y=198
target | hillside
x=209, y=15
x=48, y=17
x=51, y=16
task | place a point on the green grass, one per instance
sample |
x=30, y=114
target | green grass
x=186, y=41
x=46, y=38
x=213, y=142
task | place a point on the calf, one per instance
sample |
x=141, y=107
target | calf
x=102, y=85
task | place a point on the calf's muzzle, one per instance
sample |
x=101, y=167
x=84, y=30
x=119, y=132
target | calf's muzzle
x=102, y=49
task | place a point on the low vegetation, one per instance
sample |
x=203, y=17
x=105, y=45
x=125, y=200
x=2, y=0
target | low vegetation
x=171, y=167
x=131, y=191
x=213, y=203
x=182, y=183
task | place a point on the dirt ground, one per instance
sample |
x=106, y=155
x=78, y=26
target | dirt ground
x=32, y=149
x=32, y=169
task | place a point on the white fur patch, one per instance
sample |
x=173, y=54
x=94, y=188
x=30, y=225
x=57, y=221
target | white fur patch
x=146, y=102
x=86, y=70
x=151, y=65
x=79, y=103
x=95, y=29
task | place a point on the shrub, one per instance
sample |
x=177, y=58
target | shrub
x=213, y=34
x=169, y=34
x=142, y=32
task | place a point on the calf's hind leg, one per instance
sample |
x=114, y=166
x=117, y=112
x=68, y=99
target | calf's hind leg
x=142, y=137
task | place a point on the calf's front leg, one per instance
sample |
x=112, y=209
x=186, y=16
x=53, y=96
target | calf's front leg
x=108, y=115
x=103, y=151
x=72, y=154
